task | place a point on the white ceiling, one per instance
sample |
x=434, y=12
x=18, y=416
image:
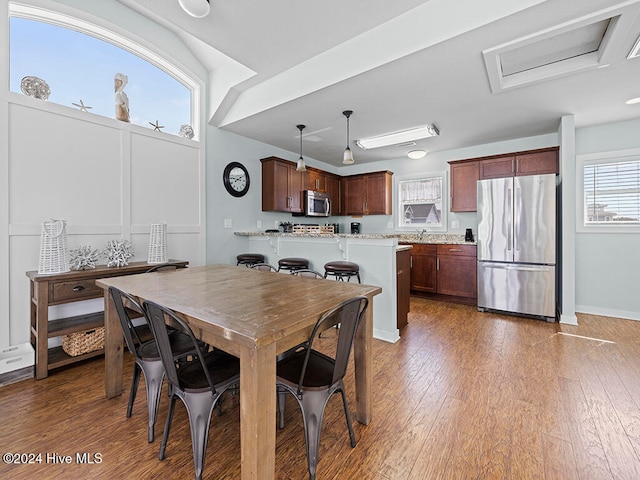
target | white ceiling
x=399, y=65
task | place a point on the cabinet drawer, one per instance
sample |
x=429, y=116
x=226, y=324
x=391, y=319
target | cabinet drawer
x=72, y=291
x=423, y=249
x=460, y=250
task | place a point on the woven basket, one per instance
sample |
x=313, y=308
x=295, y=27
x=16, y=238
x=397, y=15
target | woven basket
x=78, y=343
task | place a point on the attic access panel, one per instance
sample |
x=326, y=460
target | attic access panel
x=566, y=49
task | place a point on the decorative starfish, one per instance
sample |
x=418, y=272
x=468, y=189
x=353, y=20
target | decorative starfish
x=156, y=127
x=82, y=106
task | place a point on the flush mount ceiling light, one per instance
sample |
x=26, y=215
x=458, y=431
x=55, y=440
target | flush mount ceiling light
x=347, y=158
x=416, y=154
x=196, y=8
x=633, y=101
x=301, y=167
x=398, y=137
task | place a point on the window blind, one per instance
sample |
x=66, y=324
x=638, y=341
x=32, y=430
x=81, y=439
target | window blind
x=612, y=193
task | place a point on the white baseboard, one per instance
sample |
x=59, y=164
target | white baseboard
x=608, y=312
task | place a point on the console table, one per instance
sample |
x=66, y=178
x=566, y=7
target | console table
x=62, y=288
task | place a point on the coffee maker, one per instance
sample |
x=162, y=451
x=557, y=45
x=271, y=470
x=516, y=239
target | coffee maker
x=355, y=228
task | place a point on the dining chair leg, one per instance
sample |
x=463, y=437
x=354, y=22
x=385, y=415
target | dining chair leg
x=312, y=405
x=167, y=427
x=199, y=408
x=352, y=436
x=134, y=388
x=281, y=401
x=153, y=376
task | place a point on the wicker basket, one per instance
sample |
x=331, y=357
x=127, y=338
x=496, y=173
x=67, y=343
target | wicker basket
x=79, y=343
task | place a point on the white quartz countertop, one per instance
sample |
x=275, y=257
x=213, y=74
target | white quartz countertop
x=449, y=238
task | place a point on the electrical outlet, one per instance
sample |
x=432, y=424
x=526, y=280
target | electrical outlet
x=276, y=224
x=390, y=225
x=259, y=224
x=455, y=224
x=228, y=223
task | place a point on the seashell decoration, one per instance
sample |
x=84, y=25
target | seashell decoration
x=186, y=131
x=35, y=87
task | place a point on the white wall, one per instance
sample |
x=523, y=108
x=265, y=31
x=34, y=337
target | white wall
x=607, y=264
x=108, y=179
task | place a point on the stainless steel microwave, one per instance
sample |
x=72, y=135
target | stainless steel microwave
x=316, y=204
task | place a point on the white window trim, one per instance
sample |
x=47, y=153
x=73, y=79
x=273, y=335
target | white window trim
x=590, y=159
x=445, y=198
x=30, y=12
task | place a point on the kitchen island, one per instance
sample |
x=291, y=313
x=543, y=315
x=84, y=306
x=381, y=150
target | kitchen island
x=374, y=253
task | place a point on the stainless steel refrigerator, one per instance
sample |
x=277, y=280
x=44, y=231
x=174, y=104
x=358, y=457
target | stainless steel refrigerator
x=517, y=245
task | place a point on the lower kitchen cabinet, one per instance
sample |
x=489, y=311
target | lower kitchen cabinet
x=403, y=285
x=444, y=272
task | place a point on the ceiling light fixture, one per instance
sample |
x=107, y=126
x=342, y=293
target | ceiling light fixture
x=347, y=158
x=417, y=154
x=633, y=101
x=196, y=8
x=398, y=137
x=301, y=167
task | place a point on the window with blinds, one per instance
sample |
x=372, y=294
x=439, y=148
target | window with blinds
x=612, y=192
x=420, y=203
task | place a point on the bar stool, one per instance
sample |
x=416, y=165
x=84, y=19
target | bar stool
x=342, y=270
x=292, y=264
x=249, y=259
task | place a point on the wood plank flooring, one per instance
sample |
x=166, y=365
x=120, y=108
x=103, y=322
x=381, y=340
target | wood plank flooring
x=462, y=395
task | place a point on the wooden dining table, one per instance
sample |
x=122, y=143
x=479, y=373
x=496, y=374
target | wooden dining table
x=254, y=315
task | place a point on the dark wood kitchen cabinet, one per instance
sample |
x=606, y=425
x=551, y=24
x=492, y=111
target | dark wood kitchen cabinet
x=444, y=272
x=367, y=194
x=464, y=177
x=457, y=268
x=423, y=268
x=282, y=186
x=403, y=287
x=465, y=173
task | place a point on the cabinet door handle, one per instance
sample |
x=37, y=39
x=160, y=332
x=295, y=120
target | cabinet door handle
x=455, y=249
x=79, y=288
x=437, y=264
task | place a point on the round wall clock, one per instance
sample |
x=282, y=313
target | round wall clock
x=236, y=179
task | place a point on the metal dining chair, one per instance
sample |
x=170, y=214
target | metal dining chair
x=265, y=267
x=198, y=383
x=312, y=377
x=166, y=266
x=147, y=357
x=305, y=272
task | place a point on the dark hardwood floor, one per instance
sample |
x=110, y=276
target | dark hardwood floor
x=462, y=395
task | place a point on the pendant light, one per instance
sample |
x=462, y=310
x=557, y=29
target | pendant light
x=301, y=166
x=347, y=158
x=196, y=8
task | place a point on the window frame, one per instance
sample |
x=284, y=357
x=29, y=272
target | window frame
x=600, y=158
x=168, y=66
x=442, y=174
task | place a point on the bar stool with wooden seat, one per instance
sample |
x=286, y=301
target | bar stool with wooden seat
x=292, y=264
x=341, y=270
x=249, y=259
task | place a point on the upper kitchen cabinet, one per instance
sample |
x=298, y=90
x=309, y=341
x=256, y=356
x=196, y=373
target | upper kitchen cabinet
x=332, y=183
x=282, y=186
x=465, y=173
x=367, y=194
x=534, y=162
x=464, y=177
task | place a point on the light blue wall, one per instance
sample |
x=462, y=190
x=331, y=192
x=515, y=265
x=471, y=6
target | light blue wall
x=607, y=265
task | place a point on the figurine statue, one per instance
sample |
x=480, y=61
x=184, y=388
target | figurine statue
x=122, y=101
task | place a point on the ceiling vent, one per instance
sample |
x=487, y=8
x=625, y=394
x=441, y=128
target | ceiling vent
x=563, y=50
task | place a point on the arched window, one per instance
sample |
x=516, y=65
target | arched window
x=79, y=63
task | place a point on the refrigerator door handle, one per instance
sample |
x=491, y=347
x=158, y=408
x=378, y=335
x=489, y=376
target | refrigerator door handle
x=509, y=219
x=516, y=207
